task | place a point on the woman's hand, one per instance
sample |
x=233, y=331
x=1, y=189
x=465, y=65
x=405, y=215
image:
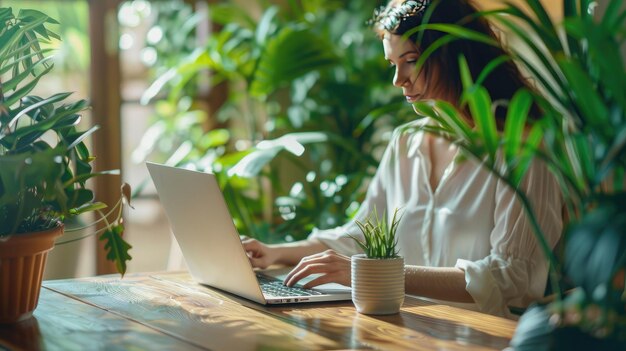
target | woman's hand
x=260, y=255
x=334, y=267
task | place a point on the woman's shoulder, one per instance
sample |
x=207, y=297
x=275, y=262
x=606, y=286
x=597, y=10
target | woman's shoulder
x=410, y=132
x=407, y=138
x=410, y=129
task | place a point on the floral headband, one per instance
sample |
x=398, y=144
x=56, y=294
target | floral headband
x=390, y=18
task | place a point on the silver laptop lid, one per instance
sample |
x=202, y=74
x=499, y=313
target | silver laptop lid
x=204, y=229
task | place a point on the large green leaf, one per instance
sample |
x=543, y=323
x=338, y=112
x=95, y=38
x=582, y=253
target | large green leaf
x=30, y=15
x=79, y=197
x=62, y=116
x=266, y=25
x=24, y=90
x=480, y=107
x=28, y=108
x=76, y=139
x=266, y=151
x=8, y=39
x=607, y=62
x=227, y=13
x=17, y=36
x=491, y=66
x=455, y=32
x=530, y=148
x=447, y=115
x=582, y=145
x=569, y=8
x=614, y=16
x=541, y=65
x=515, y=125
x=444, y=40
x=289, y=55
x=588, y=100
x=8, y=66
x=82, y=177
x=545, y=27
x=6, y=14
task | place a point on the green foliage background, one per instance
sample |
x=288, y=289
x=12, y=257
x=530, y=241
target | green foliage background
x=310, y=98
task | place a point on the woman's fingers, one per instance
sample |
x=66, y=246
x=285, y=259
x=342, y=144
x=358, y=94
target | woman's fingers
x=304, y=262
x=258, y=262
x=305, y=271
x=257, y=252
x=333, y=267
x=251, y=247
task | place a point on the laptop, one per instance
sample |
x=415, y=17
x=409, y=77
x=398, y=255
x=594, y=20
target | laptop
x=211, y=246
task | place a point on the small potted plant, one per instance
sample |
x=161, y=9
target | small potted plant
x=44, y=167
x=378, y=274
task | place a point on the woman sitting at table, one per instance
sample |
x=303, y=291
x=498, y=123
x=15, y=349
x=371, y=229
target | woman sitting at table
x=464, y=236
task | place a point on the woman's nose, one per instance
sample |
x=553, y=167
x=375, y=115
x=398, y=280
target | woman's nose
x=399, y=79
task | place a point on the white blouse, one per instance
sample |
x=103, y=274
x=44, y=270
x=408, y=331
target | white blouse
x=472, y=221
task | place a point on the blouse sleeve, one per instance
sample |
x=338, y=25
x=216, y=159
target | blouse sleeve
x=337, y=238
x=515, y=272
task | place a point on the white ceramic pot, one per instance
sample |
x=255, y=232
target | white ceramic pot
x=377, y=284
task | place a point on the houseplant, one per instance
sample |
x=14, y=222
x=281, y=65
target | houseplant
x=44, y=166
x=377, y=275
x=581, y=136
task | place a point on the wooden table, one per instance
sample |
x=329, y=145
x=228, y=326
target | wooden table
x=168, y=311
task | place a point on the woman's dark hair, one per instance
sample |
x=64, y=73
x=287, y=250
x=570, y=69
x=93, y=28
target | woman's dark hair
x=402, y=16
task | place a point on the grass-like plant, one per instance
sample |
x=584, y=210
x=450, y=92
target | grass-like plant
x=580, y=135
x=379, y=239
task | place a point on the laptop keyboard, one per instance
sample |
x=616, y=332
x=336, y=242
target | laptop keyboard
x=276, y=288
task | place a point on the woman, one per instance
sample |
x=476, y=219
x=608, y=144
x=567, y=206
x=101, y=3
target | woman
x=464, y=236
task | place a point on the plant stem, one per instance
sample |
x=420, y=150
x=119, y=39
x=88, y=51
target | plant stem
x=102, y=218
x=81, y=237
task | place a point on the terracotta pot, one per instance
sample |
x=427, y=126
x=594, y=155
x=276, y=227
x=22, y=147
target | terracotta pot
x=22, y=261
x=377, y=284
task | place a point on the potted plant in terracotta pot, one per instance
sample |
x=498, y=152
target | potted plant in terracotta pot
x=580, y=135
x=377, y=275
x=44, y=167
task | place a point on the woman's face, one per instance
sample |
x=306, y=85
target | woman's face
x=402, y=54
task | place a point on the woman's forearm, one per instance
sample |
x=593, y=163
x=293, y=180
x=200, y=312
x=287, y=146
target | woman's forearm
x=443, y=283
x=291, y=253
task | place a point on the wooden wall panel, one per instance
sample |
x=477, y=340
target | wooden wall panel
x=105, y=102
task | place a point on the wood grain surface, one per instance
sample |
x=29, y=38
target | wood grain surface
x=203, y=317
x=63, y=323
x=173, y=305
x=421, y=324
